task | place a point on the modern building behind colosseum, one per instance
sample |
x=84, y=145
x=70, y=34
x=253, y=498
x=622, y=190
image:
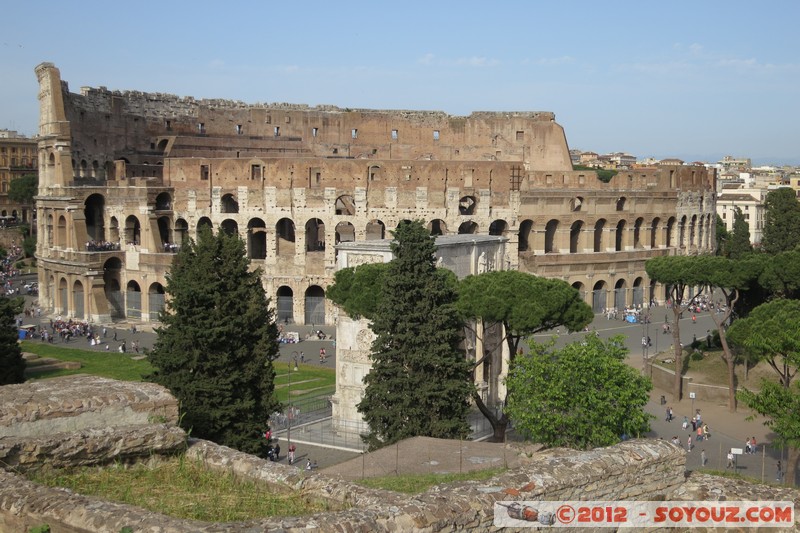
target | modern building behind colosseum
x=126, y=177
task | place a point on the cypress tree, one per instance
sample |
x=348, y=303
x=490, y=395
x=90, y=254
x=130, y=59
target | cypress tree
x=215, y=349
x=420, y=381
x=782, y=224
x=738, y=245
x=12, y=365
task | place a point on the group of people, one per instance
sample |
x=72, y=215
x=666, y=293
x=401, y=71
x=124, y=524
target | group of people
x=699, y=430
x=101, y=246
x=274, y=451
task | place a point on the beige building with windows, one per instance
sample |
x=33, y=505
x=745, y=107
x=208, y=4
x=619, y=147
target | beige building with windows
x=126, y=177
x=18, y=157
x=751, y=203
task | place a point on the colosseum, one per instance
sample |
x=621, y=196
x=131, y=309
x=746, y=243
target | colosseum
x=127, y=177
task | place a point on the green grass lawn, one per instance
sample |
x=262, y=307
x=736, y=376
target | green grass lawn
x=306, y=382
x=182, y=488
x=112, y=365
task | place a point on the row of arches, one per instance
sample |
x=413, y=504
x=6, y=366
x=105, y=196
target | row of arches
x=603, y=295
x=581, y=236
x=72, y=298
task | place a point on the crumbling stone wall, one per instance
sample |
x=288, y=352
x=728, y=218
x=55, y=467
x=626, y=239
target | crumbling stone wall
x=100, y=420
x=637, y=469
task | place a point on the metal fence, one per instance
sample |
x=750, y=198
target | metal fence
x=310, y=420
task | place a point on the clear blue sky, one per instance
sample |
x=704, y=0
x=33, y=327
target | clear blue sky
x=689, y=79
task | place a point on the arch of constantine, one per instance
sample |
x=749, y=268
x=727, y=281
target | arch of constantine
x=127, y=177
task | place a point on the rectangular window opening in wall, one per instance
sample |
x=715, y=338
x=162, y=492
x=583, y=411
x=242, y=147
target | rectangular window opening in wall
x=354, y=133
x=268, y=119
x=318, y=178
x=581, y=179
x=204, y=172
x=394, y=135
x=287, y=119
x=335, y=151
x=314, y=132
x=277, y=131
x=435, y=135
x=548, y=179
x=239, y=130
x=255, y=172
x=520, y=135
x=168, y=125
x=201, y=127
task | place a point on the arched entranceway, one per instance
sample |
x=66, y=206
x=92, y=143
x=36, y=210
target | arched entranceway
x=468, y=228
x=315, y=305
x=638, y=292
x=230, y=227
x=345, y=232
x=63, y=298
x=376, y=230
x=133, y=300
x=599, y=297
x=620, y=302
x=315, y=235
x=132, y=230
x=155, y=300
x=437, y=227
x=77, y=300
x=285, y=301
x=525, y=229
x=578, y=286
x=284, y=237
x=93, y=212
x=111, y=280
x=229, y=204
x=256, y=239
x=550, y=231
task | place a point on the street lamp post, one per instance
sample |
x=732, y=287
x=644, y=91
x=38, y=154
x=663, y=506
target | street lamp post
x=290, y=414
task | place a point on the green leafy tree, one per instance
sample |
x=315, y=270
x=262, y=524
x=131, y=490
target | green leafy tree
x=217, y=343
x=677, y=273
x=581, y=396
x=730, y=278
x=12, y=365
x=359, y=290
x=782, y=221
x=22, y=189
x=419, y=382
x=781, y=274
x=770, y=333
x=738, y=245
x=781, y=406
x=722, y=236
x=523, y=304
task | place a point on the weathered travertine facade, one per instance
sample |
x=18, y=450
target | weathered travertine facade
x=142, y=171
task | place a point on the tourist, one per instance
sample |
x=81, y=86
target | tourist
x=292, y=449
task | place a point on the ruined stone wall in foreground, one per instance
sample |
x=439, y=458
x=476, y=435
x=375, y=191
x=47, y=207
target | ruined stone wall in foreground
x=638, y=469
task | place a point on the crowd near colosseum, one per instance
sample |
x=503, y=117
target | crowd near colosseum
x=126, y=177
